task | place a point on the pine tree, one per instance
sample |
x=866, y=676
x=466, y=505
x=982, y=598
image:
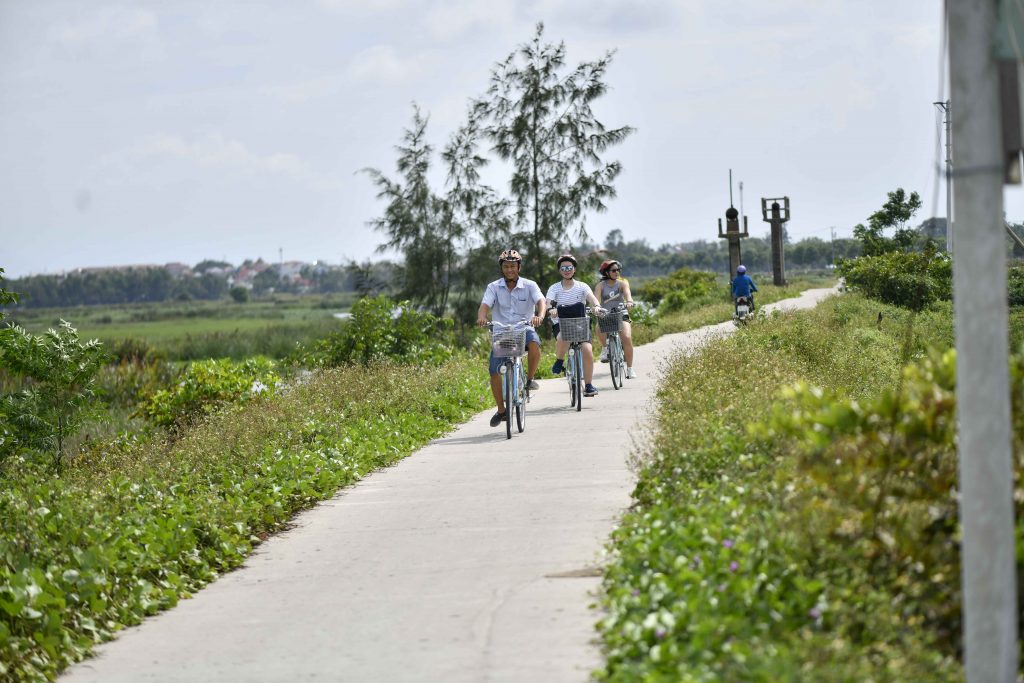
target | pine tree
x=538, y=115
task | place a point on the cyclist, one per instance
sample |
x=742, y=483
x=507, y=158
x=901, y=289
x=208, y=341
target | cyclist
x=511, y=299
x=743, y=285
x=569, y=299
x=614, y=287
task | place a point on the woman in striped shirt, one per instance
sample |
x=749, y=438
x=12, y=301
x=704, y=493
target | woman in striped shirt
x=569, y=299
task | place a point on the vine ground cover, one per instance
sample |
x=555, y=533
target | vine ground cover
x=800, y=535
x=141, y=526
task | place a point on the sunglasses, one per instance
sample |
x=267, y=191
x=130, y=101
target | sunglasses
x=567, y=269
x=615, y=270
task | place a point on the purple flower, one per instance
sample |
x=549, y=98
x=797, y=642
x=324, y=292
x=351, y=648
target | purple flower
x=727, y=543
x=636, y=593
x=815, y=613
x=659, y=633
x=733, y=566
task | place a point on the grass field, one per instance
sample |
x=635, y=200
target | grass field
x=197, y=329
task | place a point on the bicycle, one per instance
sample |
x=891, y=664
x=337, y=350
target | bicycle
x=509, y=342
x=576, y=331
x=610, y=324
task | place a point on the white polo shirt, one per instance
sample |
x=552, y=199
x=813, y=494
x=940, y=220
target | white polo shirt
x=515, y=305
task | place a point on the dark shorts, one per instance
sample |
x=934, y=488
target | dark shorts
x=495, y=362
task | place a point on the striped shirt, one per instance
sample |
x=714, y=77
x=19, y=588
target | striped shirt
x=566, y=297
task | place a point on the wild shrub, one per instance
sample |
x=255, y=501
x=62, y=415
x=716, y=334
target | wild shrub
x=57, y=373
x=908, y=279
x=205, y=387
x=1015, y=285
x=379, y=330
x=675, y=289
x=879, y=478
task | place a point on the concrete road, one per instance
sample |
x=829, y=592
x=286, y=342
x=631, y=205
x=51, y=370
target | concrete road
x=475, y=559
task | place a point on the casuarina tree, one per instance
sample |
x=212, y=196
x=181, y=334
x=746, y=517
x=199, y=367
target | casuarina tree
x=537, y=112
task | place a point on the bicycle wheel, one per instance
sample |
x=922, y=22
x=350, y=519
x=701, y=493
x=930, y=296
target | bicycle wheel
x=614, y=360
x=509, y=397
x=619, y=371
x=570, y=375
x=520, y=398
x=622, y=363
x=578, y=360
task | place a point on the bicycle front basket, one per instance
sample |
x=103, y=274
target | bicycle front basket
x=574, y=329
x=611, y=322
x=509, y=343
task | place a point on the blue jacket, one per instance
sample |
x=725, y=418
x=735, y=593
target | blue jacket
x=743, y=286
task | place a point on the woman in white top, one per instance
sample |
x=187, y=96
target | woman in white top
x=569, y=292
x=615, y=287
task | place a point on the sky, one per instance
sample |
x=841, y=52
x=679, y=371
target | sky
x=147, y=131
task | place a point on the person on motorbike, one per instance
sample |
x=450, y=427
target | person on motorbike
x=569, y=298
x=743, y=285
x=511, y=299
x=613, y=287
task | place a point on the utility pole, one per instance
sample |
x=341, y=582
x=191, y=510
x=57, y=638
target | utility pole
x=732, y=232
x=778, y=218
x=989, y=578
x=944, y=106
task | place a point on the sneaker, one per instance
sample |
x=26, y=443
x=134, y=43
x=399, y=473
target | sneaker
x=590, y=390
x=558, y=367
x=532, y=385
x=498, y=418
x=604, y=355
x=630, y=373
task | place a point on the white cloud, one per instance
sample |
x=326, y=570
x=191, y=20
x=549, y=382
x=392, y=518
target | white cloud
x=381, y=64
x=453, y=18
x=107, y=23
x=216, y=151
x=305, y=90
x=614, y=15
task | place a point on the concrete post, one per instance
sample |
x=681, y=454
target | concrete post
x=982, y=340
x=779, y=217
x=733, y=234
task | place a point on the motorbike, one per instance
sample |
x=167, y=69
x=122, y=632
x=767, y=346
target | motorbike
x=744, y=309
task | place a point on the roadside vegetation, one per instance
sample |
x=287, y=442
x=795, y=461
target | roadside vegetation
x=795, y=515
x=131, y=527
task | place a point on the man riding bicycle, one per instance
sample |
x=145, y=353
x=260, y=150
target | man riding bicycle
x=511, y=299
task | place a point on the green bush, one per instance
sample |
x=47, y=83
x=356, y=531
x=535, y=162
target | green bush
x=670, y=292
x=911, y=280
x=726, y=567
x=1015, y=285
x=380, y=329
x=57, y=373
x=239, y=294
x=207, y=386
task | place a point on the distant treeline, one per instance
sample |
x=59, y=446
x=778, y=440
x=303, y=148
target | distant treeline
x=639, y=258
x=146, y=285
x=115, y=286
x=156, y=284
